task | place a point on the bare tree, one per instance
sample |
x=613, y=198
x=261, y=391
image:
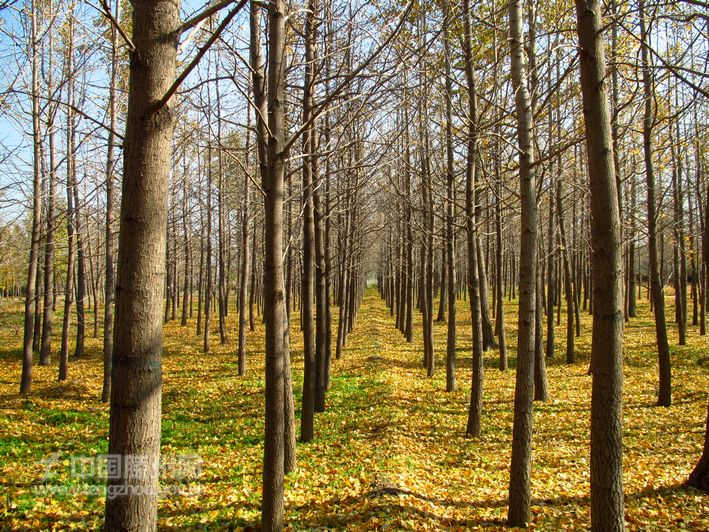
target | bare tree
x=664, y=394
x=607, y=506
x=520, y=468
x=30, y=302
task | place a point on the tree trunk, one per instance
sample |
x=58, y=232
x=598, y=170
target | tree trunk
x=607, y=506
x=699, y=477
x=568, y=287
x=273, y=280
x=80, y=274
x=137, y=371
x=70, y=183
x=320, y=287
x=664, y=396
x=307, y=286
x=222, y=285
x=187, y=281
x=448, y=272
x=209, y=286
x=26, y=379
x=328, y=260
x=520, y=469
x=632, y=300
x=408, y=276
x=37, y=329
x=541, y=388
x=679, y=255
x=109, y=287
x=476, y=388
x=499, y=251
x=200, y=280
x=551, y=281
x=45, y=355
x=428, y=216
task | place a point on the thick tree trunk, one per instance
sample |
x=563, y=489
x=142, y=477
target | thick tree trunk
x=699, y=477
x=275, y=317
x=136, y=392
x=519, y=510
x=607, y=506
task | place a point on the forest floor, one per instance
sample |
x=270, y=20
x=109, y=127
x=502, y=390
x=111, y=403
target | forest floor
x=389, y=453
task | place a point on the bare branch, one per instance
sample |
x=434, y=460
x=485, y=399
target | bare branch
x=107, y=13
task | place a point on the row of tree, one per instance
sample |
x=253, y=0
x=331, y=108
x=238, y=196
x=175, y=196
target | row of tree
x=344, y=140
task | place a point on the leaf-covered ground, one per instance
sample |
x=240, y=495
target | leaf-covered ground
x=390, y=452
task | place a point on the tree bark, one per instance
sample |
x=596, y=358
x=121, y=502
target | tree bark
x=209, y=286
x=45, y=355
x=541, y=388
x=80, y=274
x=307, y=284
x=70, y=183
x=134, y=432
x=109, y=287
x=30, y=302
x=680, y=256
x=448, y=272
x=607, y=506
x=699, y=477
x=568, y=287
x=664, y=395
x=519, y=510
x=187, y=280
x=476, y=388
x=273, y=280
x=222, y=263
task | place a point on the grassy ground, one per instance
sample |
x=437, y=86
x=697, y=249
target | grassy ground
x=390, y=451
